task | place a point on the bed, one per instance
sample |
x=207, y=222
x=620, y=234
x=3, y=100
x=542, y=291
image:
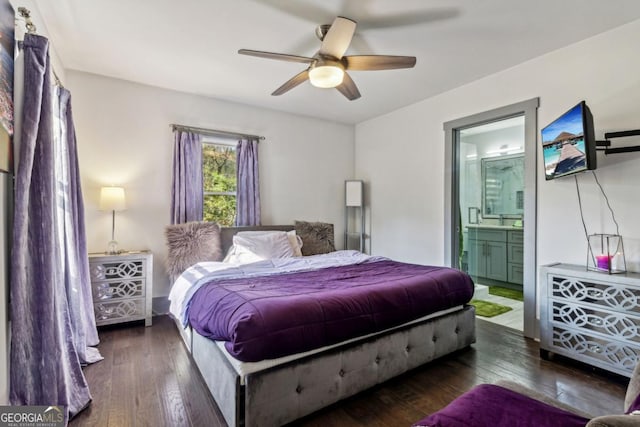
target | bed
x=323, y=364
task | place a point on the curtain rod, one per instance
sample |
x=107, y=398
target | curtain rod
x=31, y=29
x=214, y=132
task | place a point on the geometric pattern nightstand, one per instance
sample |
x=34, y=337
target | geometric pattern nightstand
x=122, y=287
x=591, y=317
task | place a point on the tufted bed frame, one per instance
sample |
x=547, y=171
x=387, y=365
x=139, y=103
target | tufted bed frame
x=286, y=392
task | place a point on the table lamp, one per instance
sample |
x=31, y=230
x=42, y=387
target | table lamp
x=112, y=199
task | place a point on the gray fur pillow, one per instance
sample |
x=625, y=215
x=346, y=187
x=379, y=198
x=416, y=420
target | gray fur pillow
x=317, y=237
x=633, y=391
x=191, y=243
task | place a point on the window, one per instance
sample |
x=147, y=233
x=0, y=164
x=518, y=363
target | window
x=219, y=181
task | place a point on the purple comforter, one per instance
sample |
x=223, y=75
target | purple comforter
x=489, y=405
x=272, y=316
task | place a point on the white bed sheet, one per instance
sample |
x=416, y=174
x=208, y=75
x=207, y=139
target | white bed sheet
x=245, y=368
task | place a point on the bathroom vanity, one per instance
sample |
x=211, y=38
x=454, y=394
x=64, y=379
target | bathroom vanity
x=495, y=254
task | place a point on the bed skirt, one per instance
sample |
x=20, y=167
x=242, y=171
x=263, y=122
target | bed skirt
x=284, y=393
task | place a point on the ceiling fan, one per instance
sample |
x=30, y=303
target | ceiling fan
x=327, y=68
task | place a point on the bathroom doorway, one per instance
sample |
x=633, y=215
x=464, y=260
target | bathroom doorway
x=491, y=190
x=491, y=200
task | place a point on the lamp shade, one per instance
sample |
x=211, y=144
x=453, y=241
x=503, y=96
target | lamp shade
x=112, y=199
x=353, y=193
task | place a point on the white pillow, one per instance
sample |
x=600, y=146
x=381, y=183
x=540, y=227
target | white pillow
x=253, y=246
x=296, y=242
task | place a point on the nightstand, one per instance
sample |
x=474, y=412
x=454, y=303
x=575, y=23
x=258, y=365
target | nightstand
x=122, y=286
x=591, y=317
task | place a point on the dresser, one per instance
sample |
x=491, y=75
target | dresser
x=122, y=287
x=591, y=317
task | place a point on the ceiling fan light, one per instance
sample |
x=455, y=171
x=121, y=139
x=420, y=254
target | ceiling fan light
x=326, y=76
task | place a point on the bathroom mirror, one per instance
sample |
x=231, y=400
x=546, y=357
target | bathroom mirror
x=503, y=186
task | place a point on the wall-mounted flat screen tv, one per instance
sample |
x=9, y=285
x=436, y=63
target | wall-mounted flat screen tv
x=568, y=143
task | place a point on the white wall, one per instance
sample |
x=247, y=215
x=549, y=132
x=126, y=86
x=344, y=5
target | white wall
x=124, y=139
x=401, y=154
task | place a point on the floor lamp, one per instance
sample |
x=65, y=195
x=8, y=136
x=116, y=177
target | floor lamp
x=112, y=199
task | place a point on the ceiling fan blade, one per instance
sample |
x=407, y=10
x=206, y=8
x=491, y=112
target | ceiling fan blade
x=292, y=82
x=302, y=10
x=348, y=88
x=278, y=56
x=378, y=62
x=338, y=38
x=416, y=17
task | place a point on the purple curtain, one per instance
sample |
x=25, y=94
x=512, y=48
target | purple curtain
x=48, y=262
x=248, y=190
x=186, y=190
x=73, y=241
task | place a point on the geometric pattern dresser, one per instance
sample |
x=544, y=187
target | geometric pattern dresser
x=591, y=317
x=122, y=287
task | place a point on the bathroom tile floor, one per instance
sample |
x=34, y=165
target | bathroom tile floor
x=512, y=319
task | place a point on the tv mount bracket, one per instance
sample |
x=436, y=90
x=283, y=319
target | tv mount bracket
x=610, y=135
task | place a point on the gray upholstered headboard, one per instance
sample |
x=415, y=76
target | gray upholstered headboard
x=227, y=233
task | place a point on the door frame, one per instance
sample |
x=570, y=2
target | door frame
x=452, y=213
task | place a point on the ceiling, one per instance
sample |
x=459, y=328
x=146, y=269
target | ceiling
x=191, y=45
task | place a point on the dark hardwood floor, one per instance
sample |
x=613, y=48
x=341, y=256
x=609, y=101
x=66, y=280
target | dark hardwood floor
x=148, y=379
